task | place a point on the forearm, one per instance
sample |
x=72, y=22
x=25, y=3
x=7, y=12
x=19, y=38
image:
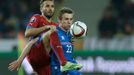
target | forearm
x=26, y=50
x=34, y=31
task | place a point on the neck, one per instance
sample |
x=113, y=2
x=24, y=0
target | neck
x=63, y=28
x=48, y=18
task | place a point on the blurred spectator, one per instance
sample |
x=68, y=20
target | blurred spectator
x=14, y=16
x=108, y=24
x=125, y=16
x=118, y=5
x=2, y=25
x=11, y=24
x=128, y=11
x=128, y=28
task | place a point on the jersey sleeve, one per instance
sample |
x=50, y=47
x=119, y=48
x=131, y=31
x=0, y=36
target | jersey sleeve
x=34, y=22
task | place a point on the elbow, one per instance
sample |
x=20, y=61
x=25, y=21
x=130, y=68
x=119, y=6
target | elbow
x=27, y=34
x=33, y=41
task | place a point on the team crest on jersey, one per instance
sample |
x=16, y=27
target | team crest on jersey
x=33, y=19
x=62, y=37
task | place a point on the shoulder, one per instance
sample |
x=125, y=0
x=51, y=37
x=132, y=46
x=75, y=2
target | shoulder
x=35, y=17
x=55, y=24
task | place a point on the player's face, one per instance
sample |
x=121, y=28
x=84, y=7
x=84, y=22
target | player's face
x=48, y=9
x=66, y=21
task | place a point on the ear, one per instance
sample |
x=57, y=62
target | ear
x=40, y=10
x=59, y=18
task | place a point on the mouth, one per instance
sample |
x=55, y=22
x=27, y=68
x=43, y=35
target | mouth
x=50, y=13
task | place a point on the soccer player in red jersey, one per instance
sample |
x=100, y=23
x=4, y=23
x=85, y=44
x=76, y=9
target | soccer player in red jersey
x=38, y=56
x=40, y=65
x=42, y=23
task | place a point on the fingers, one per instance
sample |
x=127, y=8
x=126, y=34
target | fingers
x=13, y=62
x=49, y=26
x=53, y=28
x=13, y=66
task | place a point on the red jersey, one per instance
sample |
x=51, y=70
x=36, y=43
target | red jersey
x=39, y=21
x=38, y=57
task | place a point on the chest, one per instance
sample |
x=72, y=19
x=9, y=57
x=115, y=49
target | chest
x=64, y=37
x=66, y=42
x=44, y=22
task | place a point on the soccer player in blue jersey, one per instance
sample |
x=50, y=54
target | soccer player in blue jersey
x=46, y=39
x=65, y=21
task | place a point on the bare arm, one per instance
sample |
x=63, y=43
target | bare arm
x=16, y=64
x=35, y=31
x=27, y=49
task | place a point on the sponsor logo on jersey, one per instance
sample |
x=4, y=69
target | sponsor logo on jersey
x=33, y=19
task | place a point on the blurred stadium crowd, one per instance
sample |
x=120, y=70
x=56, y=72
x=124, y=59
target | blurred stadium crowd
x=14, y=15
x=118, y=17
x=116, y=27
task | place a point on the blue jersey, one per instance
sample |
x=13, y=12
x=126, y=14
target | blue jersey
x=66, y=42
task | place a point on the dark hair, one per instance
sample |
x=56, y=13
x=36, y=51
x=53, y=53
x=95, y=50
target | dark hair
x=65, y=10
x=41, y=2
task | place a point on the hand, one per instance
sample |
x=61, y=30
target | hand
x=49, y=27
x=52, y=28
x=15, y=65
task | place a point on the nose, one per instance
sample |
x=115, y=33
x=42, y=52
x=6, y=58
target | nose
x=69, y=21
x=50, y=9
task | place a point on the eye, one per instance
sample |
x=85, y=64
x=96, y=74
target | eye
x=66, y=18
x=47, y=5
x=71, y=18
x=52, y=6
